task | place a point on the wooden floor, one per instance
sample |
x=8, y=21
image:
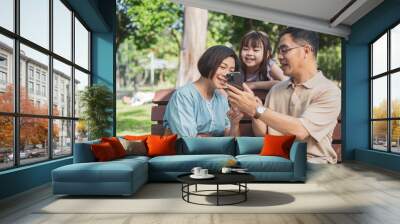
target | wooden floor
x=377, y=188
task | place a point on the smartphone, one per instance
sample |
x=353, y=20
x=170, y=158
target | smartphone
x=235, y=79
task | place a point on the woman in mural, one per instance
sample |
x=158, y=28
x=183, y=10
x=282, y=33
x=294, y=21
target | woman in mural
x=198, y=108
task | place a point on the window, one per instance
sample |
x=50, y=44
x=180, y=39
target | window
x=3, y=72
x=81, y=45
x=38, y=89
x=3, y=78
x=54, y=125
x=6, y=69
x=385, y=93
x=44, y=77
x=37, y=74
x=30, y=88
x=34, y=21
x=44, y=91
x=7, y=14
x=30, y=73
x=3, y=61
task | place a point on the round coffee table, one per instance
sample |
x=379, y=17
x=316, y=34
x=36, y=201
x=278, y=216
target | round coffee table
x=238, y=179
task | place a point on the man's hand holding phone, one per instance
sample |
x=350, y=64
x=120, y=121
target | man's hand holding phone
x=245, y=100
x=235, y=79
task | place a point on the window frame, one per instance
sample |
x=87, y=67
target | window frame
x=388, y=74
x=16, y=114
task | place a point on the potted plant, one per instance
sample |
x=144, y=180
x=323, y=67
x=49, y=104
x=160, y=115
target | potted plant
x=96, y=102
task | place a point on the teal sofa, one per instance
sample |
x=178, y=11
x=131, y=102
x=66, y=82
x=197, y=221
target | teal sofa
x=125, y=176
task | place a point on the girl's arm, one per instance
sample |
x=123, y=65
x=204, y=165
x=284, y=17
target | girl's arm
x=277, y=73
x=262, y=84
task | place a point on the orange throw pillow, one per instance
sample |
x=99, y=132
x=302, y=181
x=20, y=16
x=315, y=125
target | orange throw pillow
x=277, y=145
x=136, y=137
x=116, y=145
x=161, y=145
x=103, y=152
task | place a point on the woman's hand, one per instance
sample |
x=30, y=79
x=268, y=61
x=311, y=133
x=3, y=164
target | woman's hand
x=234, y=116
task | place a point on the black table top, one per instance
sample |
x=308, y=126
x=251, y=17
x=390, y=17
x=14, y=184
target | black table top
x=220, y=178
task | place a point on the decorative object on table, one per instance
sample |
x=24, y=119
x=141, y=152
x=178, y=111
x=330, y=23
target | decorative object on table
x=237, y=170
x=96, y=102
x=232, y=163
x=200, y=173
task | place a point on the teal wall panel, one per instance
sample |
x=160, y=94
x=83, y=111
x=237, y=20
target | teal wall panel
x=356, y=85
x=24, y=178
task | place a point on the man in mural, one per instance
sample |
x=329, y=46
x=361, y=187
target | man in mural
x=307, y=105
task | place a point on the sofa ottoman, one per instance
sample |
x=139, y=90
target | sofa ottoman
x=119, y=177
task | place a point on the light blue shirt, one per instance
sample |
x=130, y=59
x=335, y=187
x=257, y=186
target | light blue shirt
x=189, y=114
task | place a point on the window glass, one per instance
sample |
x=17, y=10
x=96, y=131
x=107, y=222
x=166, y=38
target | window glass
x=62, y=91
x=33, y=139
x=6, y=74
x=6, y=142
x=39, y=62
x=81, y=131
x=395, y=47
x=379, y=98
x=379, y=55
x=395, y=94
x=81, y=82
x=81, y=45
x=62, y=141
x=395, y=138
x=34, y=21
x=7, y=14
x=379, y=135
x=62, y=29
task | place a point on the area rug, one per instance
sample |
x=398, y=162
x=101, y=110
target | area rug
x=167, y=198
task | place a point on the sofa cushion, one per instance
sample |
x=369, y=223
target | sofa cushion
x=134, y=147
x=103, y=152
x=257, y=163
x=185, y=163
x=112, y=171
x=116, y=145
x=249, y=145
x=161, y=145
x=277, y=145
x=208, y=145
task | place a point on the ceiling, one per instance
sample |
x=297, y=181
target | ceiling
x=326, y=16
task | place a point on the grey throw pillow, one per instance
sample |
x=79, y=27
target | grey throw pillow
x=134, y=147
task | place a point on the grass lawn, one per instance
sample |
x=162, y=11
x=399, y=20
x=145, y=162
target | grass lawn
x=135, y=120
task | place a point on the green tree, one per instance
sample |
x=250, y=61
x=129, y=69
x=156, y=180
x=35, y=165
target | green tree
x=228, y=29
x=151, y=19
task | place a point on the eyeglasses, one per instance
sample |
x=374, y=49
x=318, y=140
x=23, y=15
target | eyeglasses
x=285, y=50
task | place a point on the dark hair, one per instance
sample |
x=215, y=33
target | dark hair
x=213, y=57
x=297, y=34
x=256, y=39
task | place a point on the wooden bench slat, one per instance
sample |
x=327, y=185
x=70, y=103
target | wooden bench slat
x=157, y=113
